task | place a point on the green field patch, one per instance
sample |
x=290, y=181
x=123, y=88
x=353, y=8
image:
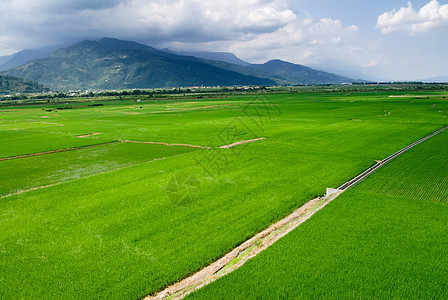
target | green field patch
x=376, y=240
x=123, y=230
x=429, y=181
x=149, y=223
x=22, y=174
x=360, y=246
x=22, y=142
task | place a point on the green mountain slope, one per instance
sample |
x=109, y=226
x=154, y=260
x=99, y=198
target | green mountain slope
x=12, y=85
x=289, y=73
x=113, y=64
x=215, y=56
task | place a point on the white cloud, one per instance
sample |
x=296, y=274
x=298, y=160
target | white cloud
x=40, y=22
x=369, y=64
x=431, y=16
x=256, y=30
x=304, y=41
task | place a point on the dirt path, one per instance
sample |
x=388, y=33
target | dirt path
x=238, y=256
x=240, y=143
x=87, y=135
x=180, y=109
x=126, y=141
x=166, y=144
x=196, y=146
x=202, y=107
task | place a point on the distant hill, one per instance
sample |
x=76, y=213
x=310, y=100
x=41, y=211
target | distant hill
x=24, y=56
x=436, y=79
x=20, y=58
x=116, y=64
x=284, y=73
x=289, y=73
x=112, y=64
x=4, y=59
x=13, y=85
x=350, y=73
x=216, y=56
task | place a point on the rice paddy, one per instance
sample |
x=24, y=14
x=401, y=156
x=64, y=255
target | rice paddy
x=384, y=238
x=124, y=220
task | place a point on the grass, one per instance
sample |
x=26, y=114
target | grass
x=385, y=238
x=427, y=182
x=127, y=233
x=42, y=170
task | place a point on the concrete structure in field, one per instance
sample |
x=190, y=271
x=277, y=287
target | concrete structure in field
x=331, y=191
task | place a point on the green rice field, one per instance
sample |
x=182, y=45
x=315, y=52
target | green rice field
x=123, y=220
x=385, y=238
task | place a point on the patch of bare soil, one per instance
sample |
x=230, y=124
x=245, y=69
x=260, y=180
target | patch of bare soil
x=167, y=144
x=201, y=107
x=385, y=115
x=57, y=124
x=87, y=135
x=241, y=142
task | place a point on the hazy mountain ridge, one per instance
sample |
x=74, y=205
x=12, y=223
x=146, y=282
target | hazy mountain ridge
x=227, y=57
x=289, y=73
x=20, y=58
x=280, y=71
x=111, y=64
x=436, y=79
x=114, y=64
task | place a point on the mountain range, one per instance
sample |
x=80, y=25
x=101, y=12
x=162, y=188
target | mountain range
x=116, y=64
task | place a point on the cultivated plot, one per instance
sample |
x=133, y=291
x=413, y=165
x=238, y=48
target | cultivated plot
x=129, y=232
x=384, y=238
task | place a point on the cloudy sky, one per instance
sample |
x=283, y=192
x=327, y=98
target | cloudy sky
x=385, y=39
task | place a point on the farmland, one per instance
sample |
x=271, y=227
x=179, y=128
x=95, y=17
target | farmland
x=123, y=220
x=385, y=238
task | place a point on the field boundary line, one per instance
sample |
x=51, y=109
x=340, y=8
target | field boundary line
x=167, y=144
x=59, y=150
x=197, y=146
x=170, y=110
x=261, y=241
x=241, y=142
x=381, y=163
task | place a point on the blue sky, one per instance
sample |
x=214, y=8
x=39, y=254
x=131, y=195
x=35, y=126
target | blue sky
x=386, y=40
x=364, y=13
x=401, y=54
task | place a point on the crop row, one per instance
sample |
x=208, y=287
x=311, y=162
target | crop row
x=428, y=181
